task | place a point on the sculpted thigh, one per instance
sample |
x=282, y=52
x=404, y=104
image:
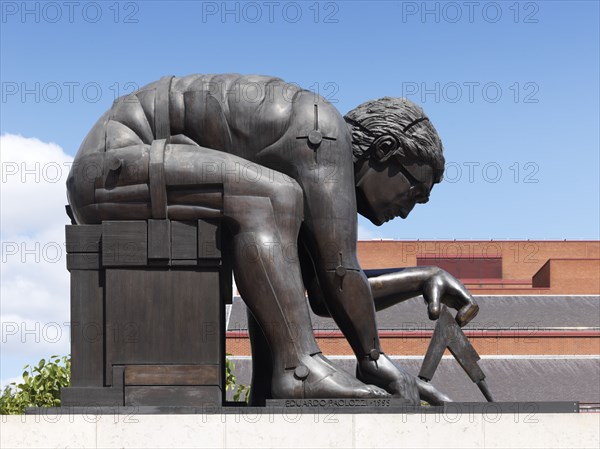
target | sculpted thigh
x=232, y=186
x=180, y=182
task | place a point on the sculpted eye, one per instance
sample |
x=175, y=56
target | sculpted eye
x=385, y=146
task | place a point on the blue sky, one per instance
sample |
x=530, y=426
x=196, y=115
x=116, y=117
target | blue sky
x=542, y=55
x=512, y=88
x=542, y=125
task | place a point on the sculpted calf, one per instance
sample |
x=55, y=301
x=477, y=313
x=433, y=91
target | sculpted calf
x=287, y=174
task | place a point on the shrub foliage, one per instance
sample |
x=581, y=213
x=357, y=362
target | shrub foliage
x=41, y=384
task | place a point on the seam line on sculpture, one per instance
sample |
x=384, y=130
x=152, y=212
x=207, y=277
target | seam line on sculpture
x=278, y=304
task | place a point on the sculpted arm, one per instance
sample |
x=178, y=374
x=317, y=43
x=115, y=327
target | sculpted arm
x=331, y=269
x=436, y=285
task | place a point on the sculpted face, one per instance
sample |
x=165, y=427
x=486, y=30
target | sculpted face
x=385, y=190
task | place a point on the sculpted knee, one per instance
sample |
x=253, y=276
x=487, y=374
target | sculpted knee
x=288, y=199
x=273, y=208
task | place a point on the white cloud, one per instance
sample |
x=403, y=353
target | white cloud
x=34, y=289
x=33, y=184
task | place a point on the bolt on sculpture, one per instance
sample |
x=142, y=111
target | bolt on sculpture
x=286, y=173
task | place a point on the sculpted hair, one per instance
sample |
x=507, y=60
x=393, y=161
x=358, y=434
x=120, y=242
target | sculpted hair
x=395, y=127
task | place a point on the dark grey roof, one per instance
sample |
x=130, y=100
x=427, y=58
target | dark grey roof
x=509, y=379
x=496, y=312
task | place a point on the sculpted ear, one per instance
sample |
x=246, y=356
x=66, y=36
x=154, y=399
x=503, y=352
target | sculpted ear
x=385, y=146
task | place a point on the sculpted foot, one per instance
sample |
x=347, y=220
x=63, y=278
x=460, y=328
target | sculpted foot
x=316, y=377
x=383, y=373
x=431, y=394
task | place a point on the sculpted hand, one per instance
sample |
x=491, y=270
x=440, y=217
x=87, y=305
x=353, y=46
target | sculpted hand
x=444, y=288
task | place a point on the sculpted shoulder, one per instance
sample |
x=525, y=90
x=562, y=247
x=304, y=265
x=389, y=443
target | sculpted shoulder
x=260, y=109
x=312, y=112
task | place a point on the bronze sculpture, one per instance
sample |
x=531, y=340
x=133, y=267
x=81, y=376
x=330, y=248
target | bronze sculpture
x=287, y=174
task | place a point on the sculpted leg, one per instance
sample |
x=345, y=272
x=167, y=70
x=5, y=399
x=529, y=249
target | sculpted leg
x=262, y=364
x=268, y=277
x=263, y=209
x=355, y=315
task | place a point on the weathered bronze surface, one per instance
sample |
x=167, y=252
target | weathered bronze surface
x=285, y=174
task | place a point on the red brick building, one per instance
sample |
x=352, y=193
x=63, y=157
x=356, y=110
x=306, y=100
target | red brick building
x=497, y=267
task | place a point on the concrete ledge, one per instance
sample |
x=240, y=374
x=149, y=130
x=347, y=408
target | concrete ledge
x=288, y=430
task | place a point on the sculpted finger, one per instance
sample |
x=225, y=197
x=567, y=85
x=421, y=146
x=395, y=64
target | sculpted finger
x=467, y=313
x=432, y=293
x=464, y=303
x=461, y=293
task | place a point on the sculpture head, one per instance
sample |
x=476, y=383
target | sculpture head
x=398, y=157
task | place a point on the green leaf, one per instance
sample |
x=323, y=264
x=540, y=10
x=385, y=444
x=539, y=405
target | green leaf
x=39, y=390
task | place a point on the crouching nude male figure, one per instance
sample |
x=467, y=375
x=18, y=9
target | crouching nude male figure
x=287, y=174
